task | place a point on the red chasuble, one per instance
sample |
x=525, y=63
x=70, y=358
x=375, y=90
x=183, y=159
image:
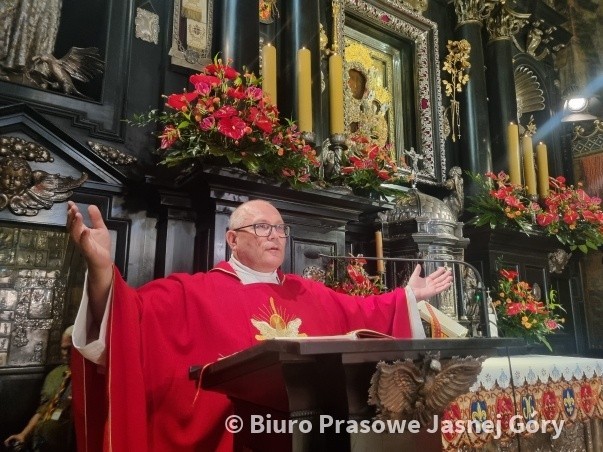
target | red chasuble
x=156, y=332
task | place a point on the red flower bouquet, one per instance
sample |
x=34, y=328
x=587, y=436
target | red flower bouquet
x=572, y=216
x=521, y=313
x=227, y=115
x=366, y=166
x=354, y=279
x=502, y=204
x=567, y=213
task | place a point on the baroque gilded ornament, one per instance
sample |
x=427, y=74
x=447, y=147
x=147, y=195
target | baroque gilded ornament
x=403, y=390
x=473, y=10
x=538, y=40
x=504, y=23
x=24, y=190
x=456, y=64
x=531, y=128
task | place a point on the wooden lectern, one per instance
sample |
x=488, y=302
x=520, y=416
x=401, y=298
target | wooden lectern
x=277, y=384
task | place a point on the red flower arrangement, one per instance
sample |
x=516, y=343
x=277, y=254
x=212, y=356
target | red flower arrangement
x=366, y=165
x=227, y=115
x=571, y=215
x=354, y=280
x=521, y=314
x=567, y=213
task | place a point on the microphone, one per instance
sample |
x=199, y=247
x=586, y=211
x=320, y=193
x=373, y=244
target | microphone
x=313, y=254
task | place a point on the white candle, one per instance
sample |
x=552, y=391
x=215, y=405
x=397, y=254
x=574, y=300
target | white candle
x=513, y=154
x=379, y=251
x=542, y=161
x=304, y=89
x=529, y=170
x=269, y=71
x=336, y=94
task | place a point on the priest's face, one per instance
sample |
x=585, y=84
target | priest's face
x=249, y=246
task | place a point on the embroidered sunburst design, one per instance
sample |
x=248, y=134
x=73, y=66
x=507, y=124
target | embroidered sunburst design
x=273, y=323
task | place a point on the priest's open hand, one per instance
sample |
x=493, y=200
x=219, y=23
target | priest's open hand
x=432, y=284
x=93, y=242
x=95, y=245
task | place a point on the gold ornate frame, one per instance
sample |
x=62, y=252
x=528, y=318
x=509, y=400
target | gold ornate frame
x=424, y=118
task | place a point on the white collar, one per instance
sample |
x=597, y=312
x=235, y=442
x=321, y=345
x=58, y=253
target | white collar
x=250, y=276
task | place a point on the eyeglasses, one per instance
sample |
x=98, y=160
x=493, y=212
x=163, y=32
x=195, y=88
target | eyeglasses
x=265, y=229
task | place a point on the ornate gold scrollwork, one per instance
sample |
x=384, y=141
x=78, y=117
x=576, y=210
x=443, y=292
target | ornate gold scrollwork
x=581, y=132
x=474, y=10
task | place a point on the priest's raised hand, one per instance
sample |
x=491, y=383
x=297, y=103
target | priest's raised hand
x=432, y=284
x=94, y=243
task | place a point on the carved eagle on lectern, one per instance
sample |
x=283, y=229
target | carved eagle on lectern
x=402, y=390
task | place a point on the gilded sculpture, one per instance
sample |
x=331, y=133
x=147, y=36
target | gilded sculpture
x=25, y=190
x=456, y=64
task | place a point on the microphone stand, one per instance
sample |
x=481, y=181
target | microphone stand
x=481, y=287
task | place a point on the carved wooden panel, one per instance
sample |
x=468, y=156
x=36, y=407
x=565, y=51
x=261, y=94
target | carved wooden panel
x=99, y=106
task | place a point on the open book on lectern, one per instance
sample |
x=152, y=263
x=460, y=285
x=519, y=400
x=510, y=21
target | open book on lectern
x=450, y=327
x=355, y=334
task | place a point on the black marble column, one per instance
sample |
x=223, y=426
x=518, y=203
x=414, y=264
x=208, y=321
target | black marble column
x=300, y=27
x=475, y=126
x=503, y=101
x=237, y=32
